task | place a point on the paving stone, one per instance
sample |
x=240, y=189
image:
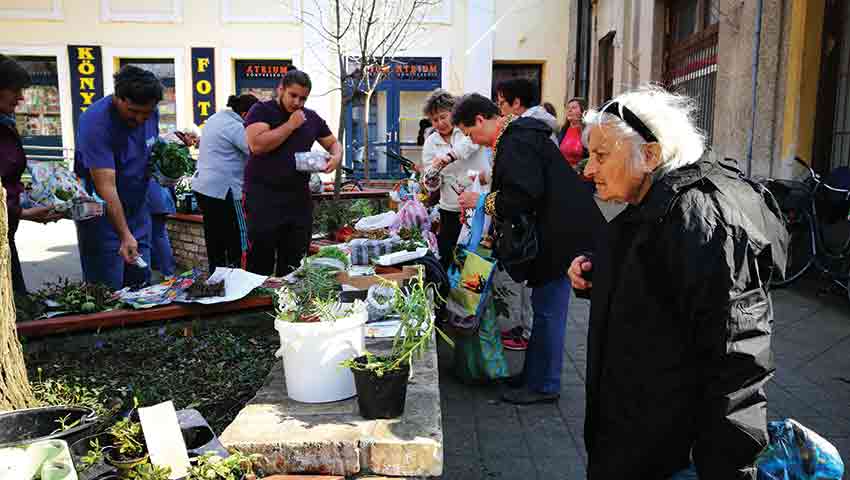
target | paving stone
x=571, y=403
x=508, y=467
x=501, y=437
x=462, y=467
x=561, y=468
x=549, y=437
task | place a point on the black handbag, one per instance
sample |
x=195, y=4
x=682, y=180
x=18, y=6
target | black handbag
x=516, y=245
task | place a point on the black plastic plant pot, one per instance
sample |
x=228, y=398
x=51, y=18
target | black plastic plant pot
x=380, y=397
x=197, y=437
x=23, y=427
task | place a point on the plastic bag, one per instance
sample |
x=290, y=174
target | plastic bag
x=474, y=185
x=412, y=214
x=797, y=453
x=379, y=301
x=313, y=161
x=363, y=250
x=376, y=222
x=316, y=185
x=53, y=185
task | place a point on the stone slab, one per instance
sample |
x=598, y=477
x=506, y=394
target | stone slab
x=333, y=439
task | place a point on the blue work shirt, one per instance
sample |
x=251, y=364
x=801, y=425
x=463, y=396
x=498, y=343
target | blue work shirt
x=104, y=140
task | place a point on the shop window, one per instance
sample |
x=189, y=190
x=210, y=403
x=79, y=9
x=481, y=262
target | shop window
x=605, y=86
x=505, y=71
x=260, y=77
x=38, y=118
x=164, y=70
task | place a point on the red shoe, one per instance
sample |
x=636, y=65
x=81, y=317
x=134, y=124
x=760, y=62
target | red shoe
x=515, y=343
x=514, y=332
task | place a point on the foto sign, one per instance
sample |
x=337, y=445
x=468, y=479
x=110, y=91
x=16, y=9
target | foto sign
x=203, y=84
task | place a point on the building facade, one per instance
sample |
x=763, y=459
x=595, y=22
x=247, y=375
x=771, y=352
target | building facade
x=786, y=59
x=205, y=50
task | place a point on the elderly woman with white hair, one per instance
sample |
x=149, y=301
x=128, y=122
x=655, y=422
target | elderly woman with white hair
x=679, y=346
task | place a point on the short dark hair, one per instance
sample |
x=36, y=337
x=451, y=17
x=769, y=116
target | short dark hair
x=297, y=77
x=470, y=106
x=12, y=75
x=137, y=85
x=241, y=103
x=522, y=88
x=550, y=109
x=581, y=103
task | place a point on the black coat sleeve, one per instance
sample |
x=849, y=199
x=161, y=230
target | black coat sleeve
x=730, y=315
x=520, y=182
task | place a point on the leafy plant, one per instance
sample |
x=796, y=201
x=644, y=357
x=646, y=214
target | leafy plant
x=148, y=471
x=415, y=306
x=93, y=456
x=335, y=253
x=361, y=208
x=128, y=439
x=411, y=239
x=77, y=296
x=64, y=423
x=172, y=159
x=212, y=467
x=67, y=391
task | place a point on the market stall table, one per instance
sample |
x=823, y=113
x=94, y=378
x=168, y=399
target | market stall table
x=333, y=439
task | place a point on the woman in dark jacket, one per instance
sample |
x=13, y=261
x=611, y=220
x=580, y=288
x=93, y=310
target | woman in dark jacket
x=532, y=183
x=680, y=322
x=13, y=161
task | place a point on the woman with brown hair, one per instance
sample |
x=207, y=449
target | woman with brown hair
x=569, y=138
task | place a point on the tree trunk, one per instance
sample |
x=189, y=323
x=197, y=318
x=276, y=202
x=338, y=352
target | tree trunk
x=15, y=391
x=366, y=109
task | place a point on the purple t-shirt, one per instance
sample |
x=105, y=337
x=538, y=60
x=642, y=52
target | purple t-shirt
x=275, y=193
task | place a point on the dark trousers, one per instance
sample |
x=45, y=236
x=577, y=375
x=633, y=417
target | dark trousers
x=279, y=251
x=18, y=285
x=225, y=232
x=447, y=238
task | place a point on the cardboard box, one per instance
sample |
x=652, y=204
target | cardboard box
x=363, y=283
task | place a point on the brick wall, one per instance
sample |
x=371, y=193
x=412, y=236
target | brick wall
x=187, y=242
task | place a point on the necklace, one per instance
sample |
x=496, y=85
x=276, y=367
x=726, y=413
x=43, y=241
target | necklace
x=508, y=120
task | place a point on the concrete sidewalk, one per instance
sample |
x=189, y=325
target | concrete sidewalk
x=48, y=252
x=485, y=438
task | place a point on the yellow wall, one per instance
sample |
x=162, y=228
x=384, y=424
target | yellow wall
x=804, y=58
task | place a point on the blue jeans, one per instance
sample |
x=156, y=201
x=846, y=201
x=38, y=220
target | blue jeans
x=162, y=258
x=545, y=355
x=687, y=474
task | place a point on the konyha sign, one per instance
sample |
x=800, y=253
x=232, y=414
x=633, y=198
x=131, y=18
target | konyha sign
x=203, y=84
x=86, y=78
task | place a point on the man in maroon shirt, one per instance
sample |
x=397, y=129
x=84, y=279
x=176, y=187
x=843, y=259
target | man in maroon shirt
x=278, y=205
x=13, y=161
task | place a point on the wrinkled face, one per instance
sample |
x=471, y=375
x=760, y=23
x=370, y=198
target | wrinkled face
x=506, y=108
x=618, y=177
x=9, y=100
x=294, y=97
x=574, y=112
x=484, y=131
x=132, y=113
x=442, y=122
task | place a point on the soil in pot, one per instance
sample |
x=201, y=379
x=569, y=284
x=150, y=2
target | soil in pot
x=380, y=397
x=22, y=427
x=121, y=462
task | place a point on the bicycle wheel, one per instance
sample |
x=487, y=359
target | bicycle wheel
x=801, y=250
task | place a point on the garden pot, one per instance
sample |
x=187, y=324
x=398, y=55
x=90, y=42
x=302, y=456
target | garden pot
x=122, y=465
x=381, y=397
x=23, y=427
x=100, y=470
x=312, y=353
x=197, y=437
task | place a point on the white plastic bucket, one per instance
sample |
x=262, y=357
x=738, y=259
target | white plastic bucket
x=312, y=353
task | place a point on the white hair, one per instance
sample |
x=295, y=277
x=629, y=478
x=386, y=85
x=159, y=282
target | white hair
x=670, y=117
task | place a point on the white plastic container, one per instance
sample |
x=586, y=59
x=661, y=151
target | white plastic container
x=312, y=353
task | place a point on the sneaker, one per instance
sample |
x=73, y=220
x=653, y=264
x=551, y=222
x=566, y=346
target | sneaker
x=515, y=343
x=514, y=332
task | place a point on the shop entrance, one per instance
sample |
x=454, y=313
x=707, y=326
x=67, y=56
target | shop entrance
x=260, y=77
x=394, y=114
x=164, y=71
x=38, y=119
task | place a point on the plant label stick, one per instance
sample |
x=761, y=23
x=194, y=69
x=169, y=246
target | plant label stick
x=164, y=440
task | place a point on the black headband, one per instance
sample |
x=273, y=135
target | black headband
x=623, y=113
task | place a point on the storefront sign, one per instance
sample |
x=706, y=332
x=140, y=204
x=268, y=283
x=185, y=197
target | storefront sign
x=417, y=69
x=203, y=84
x=86, y=78
x=251, y=69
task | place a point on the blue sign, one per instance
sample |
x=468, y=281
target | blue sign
x=203, y=84
x=86, y=78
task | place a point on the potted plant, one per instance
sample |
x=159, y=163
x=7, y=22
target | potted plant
x=237, y=466
x=128, y=445
x=317, y=332
x=381, y=381
x=149, y=471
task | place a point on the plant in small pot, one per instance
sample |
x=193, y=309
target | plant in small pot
x=238, y=466
x=317, y=332
x=381, y=381
x=128, y=445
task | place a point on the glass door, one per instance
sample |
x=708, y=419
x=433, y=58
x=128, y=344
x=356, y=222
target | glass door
x=382, y=130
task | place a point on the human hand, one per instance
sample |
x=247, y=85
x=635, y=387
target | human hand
x=468, y=200
x=129, y=249
x=40, y=214
x=333, y=162
x=580, y=265
x=439, y=162
x=483, y=178
x=296, y=119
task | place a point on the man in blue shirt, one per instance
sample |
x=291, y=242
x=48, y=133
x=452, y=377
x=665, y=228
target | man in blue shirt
x=114, y=144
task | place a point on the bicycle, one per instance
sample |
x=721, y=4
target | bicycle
x=808, y=245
